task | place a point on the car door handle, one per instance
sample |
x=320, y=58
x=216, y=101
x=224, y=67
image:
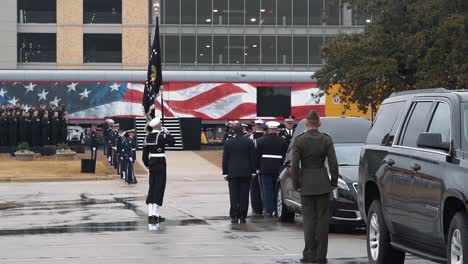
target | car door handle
x=415, y=167
x=390, y=162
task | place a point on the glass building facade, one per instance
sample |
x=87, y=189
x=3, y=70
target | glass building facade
x=252, y=34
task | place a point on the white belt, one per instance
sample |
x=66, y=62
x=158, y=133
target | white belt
x=157, y=155
x=272, y=156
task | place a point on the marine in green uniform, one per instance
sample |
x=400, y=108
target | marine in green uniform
x=310, y=175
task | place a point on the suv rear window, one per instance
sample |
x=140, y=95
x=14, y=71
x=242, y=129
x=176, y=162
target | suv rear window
x=385, y=121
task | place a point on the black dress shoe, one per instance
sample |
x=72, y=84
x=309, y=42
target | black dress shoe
x=152, y=220
x=235, y=221
x=242, y=221
x=161, y=219
x=322, y=261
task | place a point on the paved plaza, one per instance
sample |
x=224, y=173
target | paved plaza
x=105, y=222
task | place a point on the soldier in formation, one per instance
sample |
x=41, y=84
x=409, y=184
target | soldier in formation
x=36, y=126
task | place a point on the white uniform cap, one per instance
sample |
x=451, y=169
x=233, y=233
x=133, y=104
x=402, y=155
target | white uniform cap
x=235, y=122
x=155, y=122
x=259, y=121
x=110, y=121
x=272, y=124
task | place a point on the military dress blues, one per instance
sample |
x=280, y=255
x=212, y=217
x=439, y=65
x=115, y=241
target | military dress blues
x=154, y=158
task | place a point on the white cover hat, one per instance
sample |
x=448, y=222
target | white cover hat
x=155, y=122
x=259, y=121
x=272, y=124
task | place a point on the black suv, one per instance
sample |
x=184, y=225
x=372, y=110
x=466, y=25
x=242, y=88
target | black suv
x=413, y=178
x=349, y=135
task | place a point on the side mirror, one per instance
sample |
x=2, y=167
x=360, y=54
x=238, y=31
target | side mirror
x=432, y=141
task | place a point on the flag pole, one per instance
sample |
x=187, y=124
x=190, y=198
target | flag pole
x=157, y=8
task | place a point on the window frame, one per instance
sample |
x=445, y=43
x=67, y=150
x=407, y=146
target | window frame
x=404, y=123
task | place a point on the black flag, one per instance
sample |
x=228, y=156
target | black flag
x=154, y=76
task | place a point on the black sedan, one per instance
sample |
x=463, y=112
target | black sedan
x=349, y=135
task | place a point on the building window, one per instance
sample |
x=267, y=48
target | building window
x=172, y=50
x=205, y=12
x=236, y=50
x=284, y=12
x=102, y=48
x=268, y=50
x=268, y=12
x=170, y=11
x=33, y=11
x=300, y=12
x=252, y=50
x=188, y=49
x=315, y=50
x=220, y=50
x=220, y=12
x=189, y=8
x=102, y=12
x=284, y=49
x=236, y=12
x=315, y=12
x=34, y=47
x=252, y=12
x=333, y=13
x=300, y=50
x=205, y=49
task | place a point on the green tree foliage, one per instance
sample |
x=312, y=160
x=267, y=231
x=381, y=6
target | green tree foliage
x=409, y=44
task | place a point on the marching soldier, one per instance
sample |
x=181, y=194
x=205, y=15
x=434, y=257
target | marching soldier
x=271, y=151
x=311, y=179
x=255, y=193
x=45, y=128
x=154, y=158
x=128, y=158
x=288, y=130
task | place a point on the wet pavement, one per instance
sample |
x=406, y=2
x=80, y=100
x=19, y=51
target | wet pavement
x=105, y=222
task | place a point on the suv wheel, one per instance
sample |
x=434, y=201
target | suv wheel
x=379, y=250
x=457, y=239
x=284, y=214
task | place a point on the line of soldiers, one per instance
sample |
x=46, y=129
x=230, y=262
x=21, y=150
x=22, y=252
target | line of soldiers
x=36, y=126
x=120, y=149
x=271, y=143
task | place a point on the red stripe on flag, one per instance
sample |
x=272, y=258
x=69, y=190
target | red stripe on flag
x=301, y=112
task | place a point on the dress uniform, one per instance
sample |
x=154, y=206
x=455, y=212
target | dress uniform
x=3, y=129
x=271, y=151
x=128, y=157
x=310, y=151
x=13, y=131
x=288, y=131
x=118, y=144
x=154, y=158
x=113, y=141
x=255, y=192
x=54, y=129
x=45, y=129
x=109, y=134
x=36, y=127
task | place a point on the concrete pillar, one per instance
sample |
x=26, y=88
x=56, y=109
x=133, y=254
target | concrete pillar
x=8, y=40
x=135, y=19
x=69, y=34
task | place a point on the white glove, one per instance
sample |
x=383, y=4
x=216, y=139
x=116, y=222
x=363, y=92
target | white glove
x=115, y=148
x=131, y=159
x=164, y=130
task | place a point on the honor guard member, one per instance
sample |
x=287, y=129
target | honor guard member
x=114, y=136
x=118, y=144
x=255, y=189
x=271, y=151
x=311, y=178
x=154, y=158
x=288, y=130
x=109, y=133
x=128, y=155
x=54, y=128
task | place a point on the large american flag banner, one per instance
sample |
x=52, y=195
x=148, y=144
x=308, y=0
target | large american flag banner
x=208, y=101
